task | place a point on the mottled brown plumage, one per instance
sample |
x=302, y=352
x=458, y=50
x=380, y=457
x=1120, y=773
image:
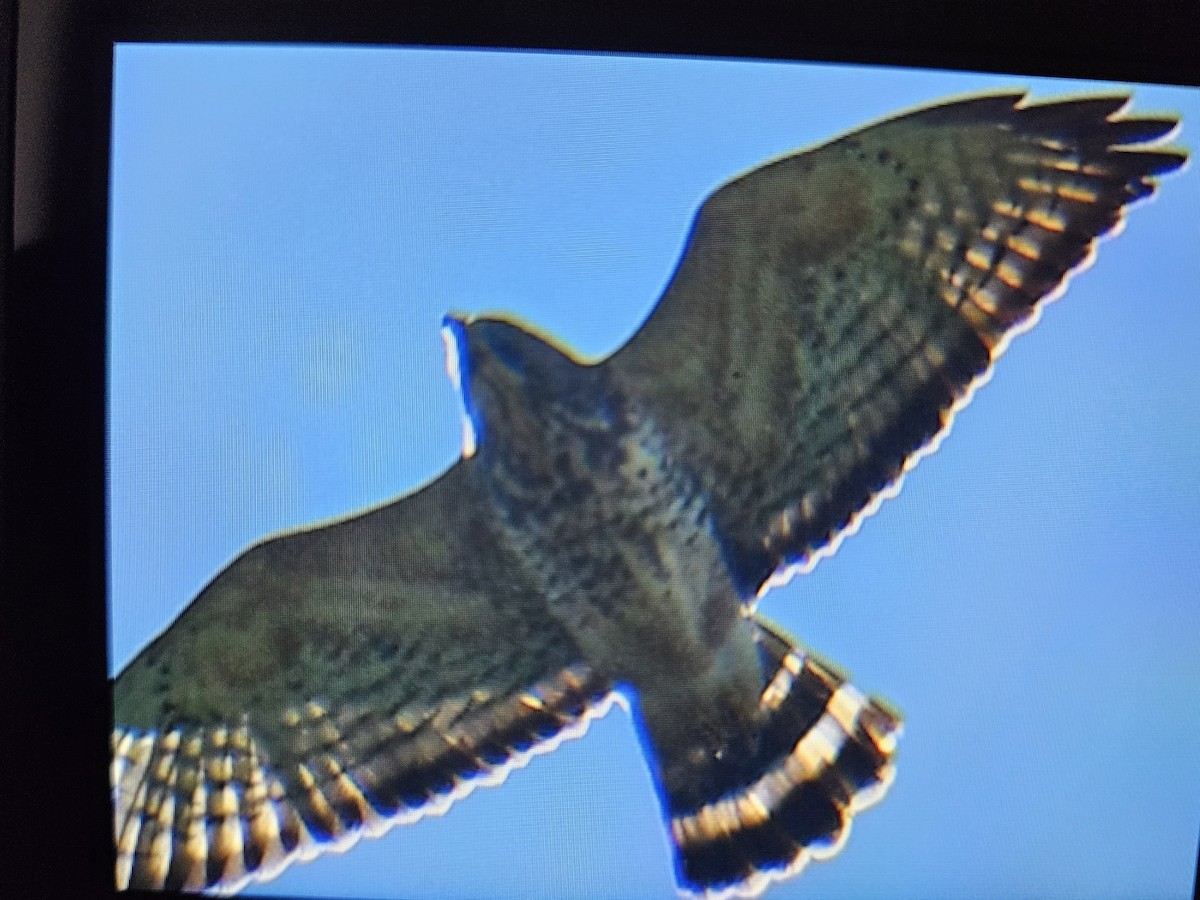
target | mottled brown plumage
x=616, y=522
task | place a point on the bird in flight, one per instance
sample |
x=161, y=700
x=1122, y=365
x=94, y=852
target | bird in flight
x=611, y=524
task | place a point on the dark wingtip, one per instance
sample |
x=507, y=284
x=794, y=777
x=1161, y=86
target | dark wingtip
x=1155, y=163
x=1142, y=130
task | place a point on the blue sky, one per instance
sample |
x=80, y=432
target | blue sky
x=289, y=226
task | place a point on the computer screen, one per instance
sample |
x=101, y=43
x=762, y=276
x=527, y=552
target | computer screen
x=289, y=228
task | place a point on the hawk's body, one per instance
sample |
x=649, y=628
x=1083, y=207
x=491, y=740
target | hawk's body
x=619, y=519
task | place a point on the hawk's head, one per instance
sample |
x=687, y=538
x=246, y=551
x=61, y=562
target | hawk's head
x=511, y=380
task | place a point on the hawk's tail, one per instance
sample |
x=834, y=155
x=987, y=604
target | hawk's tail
x=828, y=753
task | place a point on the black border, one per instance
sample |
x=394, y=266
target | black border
x=1110, y=39
x=55, y=827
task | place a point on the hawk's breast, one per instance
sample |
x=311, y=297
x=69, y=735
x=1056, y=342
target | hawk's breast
x=620, y=538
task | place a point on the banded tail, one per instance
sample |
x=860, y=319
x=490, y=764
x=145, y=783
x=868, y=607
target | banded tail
x=827, y=752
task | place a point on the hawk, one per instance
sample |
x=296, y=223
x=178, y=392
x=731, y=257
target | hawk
x=612, y=523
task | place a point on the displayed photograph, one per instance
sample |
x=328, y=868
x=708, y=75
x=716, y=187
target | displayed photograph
x=590, y=477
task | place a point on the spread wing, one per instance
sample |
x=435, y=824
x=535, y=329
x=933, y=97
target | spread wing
x=331, y=683
x=832, y=309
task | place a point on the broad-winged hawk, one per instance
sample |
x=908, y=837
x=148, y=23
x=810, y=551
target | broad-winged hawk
x=611, y=524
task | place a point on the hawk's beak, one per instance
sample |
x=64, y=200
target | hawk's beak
x=454, y=337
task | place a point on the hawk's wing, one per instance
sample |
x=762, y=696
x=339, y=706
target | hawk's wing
x=833, y=308
x=332, y=682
